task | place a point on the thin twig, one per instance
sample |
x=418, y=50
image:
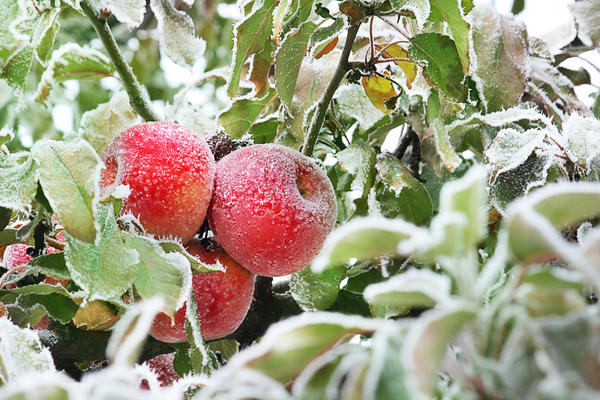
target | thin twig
x=138, y=97
x=340, y=72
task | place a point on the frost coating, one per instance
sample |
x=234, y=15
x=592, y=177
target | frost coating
x=21, y=352
x=129, y=12
x=582, y=139
x=170, y=171
x=511, y=148
x=272, y=208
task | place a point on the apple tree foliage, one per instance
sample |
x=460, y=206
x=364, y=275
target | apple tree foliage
x=465, y=263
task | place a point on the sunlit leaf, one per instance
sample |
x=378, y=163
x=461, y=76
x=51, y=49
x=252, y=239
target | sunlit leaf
x=379, y=89
x=450, y=11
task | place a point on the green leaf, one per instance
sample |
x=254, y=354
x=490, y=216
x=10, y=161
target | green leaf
x=500, y=44
x=52, y=264
x=413, y=288
x=21, y=353
x=377, y=133
x=44, y=33
x=288, y=60
x=468, y=196
x=401, y=194
x=587, y=17
x=58, y=304
x=241, y=115
x=364, y=239
x=251, y=34
x=8, y=13
x=443, y=145
x=358, y=160
x=512, y=148
x=554, y=278
x=100, y=125
x=326, y=34
x=427, y=343
x=69, y=175
x=130, y=13
x=106, y=268
x=420, y=9
x=196, y=265
x=517, y=182
x=543, y=301
x=177, y=34
x=314, y=291
x=289, y=346
x=72, y=61
x=354, y=103
x=450, y=11
x=444, y=69
x=265, y=130
x=583, y=139
x=19, y=174
x=17, y=68
x=160, y=273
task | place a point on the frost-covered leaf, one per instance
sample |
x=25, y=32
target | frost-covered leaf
x=396, y=51
x=196, y=265
x=44, y=33
x=69, y=176
x=501, y=47
x=451, y=12
x=420, y=8
x=72, y=61
x=354, y=103
x=289, y=59
x=510, y=185
x=289, y=346
x=413, y=288
x=543, y=301
x=444, y=69
x=379, y=90
x=17, y=68
x=364, y=239
x=19, y=174
x=587, y=17
x=554, y=278
x=401, y=194
x=449, y=157
x=55, y=300
x=100, y=125
x=251, y=34
x=106, y=268
x=314, y=291
x=241, y=115
x=324, y=35
x=160, y=273
x=21, y=352
x=130, y=12
x=177, y=34
x=358, y=160
x=261, y=68
x=583, y=139
x=8, y=13
x=468, y=196
x=512, y=148
x=131, y=331
x=265, y=130
x=427, y=343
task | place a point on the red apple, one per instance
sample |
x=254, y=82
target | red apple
x=170, y=172
x=162, y=366
x=223, y=298
x=272, y=208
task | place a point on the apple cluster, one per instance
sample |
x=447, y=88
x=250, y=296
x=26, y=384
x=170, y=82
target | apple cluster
x=268, y=206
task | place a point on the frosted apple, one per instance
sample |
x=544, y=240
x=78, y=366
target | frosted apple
x=223, y=298
x=272, y=208
x=170, y=172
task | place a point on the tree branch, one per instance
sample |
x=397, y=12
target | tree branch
x=138, y=97
x=340, y=72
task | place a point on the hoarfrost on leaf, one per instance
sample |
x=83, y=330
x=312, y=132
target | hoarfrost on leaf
x=354, y=103
x=128, y=12
x=511, y=148
x=19, y=173
x=21, y=352
x=582, y=139
x=177, y=34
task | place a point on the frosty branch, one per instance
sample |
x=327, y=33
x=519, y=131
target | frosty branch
x=137, y=95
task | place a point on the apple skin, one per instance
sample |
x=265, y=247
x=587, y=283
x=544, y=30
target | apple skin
x=162, y=366
x=170, y=172
x=223, y=298
x=272, y=208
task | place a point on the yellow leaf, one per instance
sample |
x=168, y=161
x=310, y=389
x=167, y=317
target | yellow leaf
x=395, y=51
x=378, y=89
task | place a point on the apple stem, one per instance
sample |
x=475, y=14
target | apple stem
x=340, y=72
x=138, y=97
